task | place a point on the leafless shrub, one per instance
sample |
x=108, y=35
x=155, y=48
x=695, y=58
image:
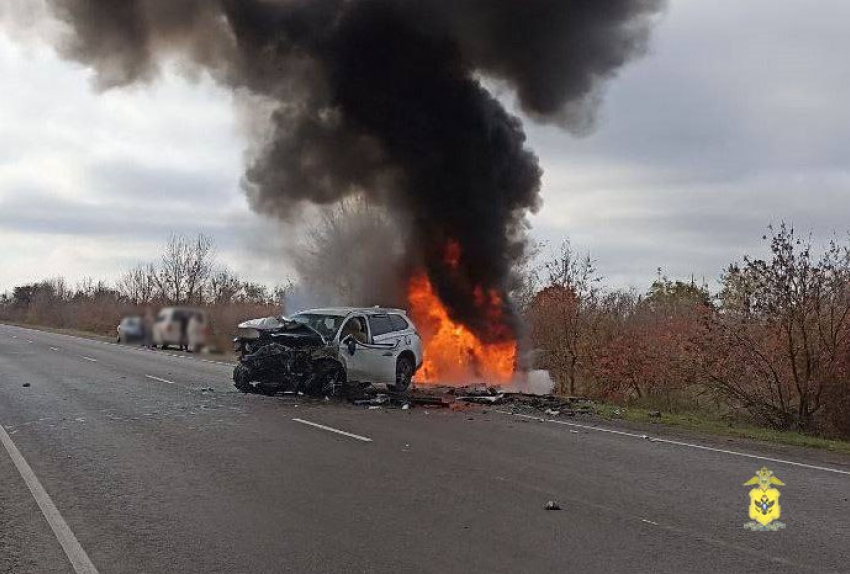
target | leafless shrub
x=780, y=344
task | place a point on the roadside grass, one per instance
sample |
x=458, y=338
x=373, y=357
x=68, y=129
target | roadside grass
x=72, y=332
x=706, y=423
x=230, y=356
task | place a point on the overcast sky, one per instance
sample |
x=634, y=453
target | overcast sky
x=738, y=117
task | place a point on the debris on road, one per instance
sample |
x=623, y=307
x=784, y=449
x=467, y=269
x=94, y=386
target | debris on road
x=375, y=401
x=25, y=385
x=472, y=397
x=552, y=505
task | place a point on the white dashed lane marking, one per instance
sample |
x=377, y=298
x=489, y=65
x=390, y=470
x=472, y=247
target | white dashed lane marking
x=333, y=430
x=160, y=380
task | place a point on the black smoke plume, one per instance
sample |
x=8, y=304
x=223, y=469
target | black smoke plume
x=384, y=99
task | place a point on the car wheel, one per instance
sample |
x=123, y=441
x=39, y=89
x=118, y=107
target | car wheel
x=403, y=374
x=329, y=381
x=242, y=379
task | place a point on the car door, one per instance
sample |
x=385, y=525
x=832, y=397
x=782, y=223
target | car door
x=369, y=363
x=385, y=336
x=407, y=335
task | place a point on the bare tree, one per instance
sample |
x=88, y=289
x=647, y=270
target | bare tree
x=139, y=284
x=185, y=267
x=223, y=287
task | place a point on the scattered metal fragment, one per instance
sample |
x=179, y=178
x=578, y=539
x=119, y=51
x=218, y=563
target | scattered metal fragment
x=378, y=400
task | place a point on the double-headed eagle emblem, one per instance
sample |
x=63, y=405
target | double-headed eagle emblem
x=764, y=501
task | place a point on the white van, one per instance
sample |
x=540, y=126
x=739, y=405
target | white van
x=184, y=327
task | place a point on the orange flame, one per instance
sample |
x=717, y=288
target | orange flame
x=452, y=353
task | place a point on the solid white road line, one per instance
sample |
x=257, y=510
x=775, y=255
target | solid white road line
x=747, y=455
x=685, y=444
x=331, y=429
x=90, y=359
x=160, y=380
x=78, y=557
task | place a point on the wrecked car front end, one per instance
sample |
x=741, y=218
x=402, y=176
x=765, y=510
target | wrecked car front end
x=256, y=333
x=280, y=355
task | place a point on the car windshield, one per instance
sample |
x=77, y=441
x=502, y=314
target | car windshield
x=326, y=325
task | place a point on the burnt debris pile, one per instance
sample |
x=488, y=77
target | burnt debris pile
x=459, y=398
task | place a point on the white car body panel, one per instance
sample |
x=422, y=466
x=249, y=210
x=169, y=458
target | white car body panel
x=375, y=361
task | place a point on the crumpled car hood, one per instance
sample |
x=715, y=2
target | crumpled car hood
x=281, y=327
x=263, y=324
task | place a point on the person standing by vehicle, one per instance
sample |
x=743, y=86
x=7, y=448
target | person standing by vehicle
x=184, y=332
x=195, y=333
x=147, y=328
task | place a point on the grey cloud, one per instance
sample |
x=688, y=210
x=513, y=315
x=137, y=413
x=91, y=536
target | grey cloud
x=36, y=211
x=737, y=119
x=718, y=98
x=128, y=180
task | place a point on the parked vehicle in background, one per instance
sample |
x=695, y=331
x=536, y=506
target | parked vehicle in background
x=186, y=328
x=130, y=330
x=318, y=350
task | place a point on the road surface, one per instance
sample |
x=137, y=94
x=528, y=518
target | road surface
x=139, y=461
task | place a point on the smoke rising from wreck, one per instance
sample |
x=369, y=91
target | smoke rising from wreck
x=384, y=99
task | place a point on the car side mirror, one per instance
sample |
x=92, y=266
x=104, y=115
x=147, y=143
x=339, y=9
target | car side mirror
x=351, y=343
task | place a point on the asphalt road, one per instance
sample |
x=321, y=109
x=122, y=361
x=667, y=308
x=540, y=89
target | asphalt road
x=155, y=464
